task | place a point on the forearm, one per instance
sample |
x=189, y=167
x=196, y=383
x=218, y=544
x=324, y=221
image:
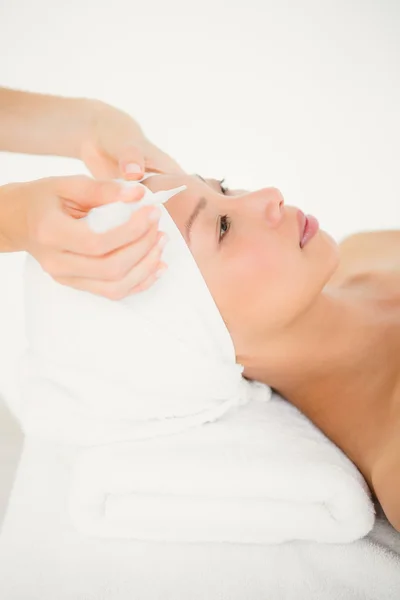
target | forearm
x=33, y=123
x=11, y=215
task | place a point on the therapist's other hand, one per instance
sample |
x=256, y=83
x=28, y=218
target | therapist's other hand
x=114, y=146
x=45, y=220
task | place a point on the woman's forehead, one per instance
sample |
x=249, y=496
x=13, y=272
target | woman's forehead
x=179, y=205
x=162, y=181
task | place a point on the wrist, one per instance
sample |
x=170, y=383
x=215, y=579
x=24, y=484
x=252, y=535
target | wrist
x=107, y=126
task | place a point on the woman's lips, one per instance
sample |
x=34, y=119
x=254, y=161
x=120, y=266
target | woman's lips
x=308, y=227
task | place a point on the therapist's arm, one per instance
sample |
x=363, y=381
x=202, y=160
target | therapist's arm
x=104, y=137
x=32, y=123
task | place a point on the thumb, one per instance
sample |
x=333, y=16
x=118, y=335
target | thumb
x=87, y=193
x=131, y=162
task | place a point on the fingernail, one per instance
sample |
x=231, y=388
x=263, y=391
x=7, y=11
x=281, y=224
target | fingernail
x=133, y=168
x=155, y=214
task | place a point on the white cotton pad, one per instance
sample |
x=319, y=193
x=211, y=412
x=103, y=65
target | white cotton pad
x=108, y=216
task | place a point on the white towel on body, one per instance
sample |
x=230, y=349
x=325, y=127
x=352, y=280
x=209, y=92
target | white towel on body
x=144, y=381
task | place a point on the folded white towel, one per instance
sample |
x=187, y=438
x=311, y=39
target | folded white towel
x=43, y=558
x=262, y=474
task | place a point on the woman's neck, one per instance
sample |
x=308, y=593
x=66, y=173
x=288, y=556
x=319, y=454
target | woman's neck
x=334, y=366
x=334, y=342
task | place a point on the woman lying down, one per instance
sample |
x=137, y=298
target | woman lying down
x=248, y=295
x=317, y=322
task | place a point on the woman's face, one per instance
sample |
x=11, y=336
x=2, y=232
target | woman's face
x=260, y=278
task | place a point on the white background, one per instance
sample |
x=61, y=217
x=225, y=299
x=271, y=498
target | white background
x=301, y=95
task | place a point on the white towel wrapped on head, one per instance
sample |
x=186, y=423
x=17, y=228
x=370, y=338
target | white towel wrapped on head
x=151, y=382
x=154, y=363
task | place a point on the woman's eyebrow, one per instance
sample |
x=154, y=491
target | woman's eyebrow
x=201, y=204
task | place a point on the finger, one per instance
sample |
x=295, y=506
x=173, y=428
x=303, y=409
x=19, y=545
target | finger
x=99, y=164
x=74, y=235
x=131, y=162
x=147, y=283
x=120, y=289
x=112, y=267
x=89, y=193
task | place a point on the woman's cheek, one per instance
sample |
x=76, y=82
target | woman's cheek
x=248, y=277
x=258, y=267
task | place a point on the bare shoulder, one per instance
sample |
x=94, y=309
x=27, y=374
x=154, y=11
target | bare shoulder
x=386, y=479
x=364, y=252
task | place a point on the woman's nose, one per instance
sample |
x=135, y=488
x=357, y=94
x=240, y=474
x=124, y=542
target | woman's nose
x=268, y=204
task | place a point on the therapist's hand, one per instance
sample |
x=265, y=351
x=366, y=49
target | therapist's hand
x=114, y=141
x=43, y=217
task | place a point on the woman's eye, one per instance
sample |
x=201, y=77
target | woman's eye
x=224, y=219
x=224, y=188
